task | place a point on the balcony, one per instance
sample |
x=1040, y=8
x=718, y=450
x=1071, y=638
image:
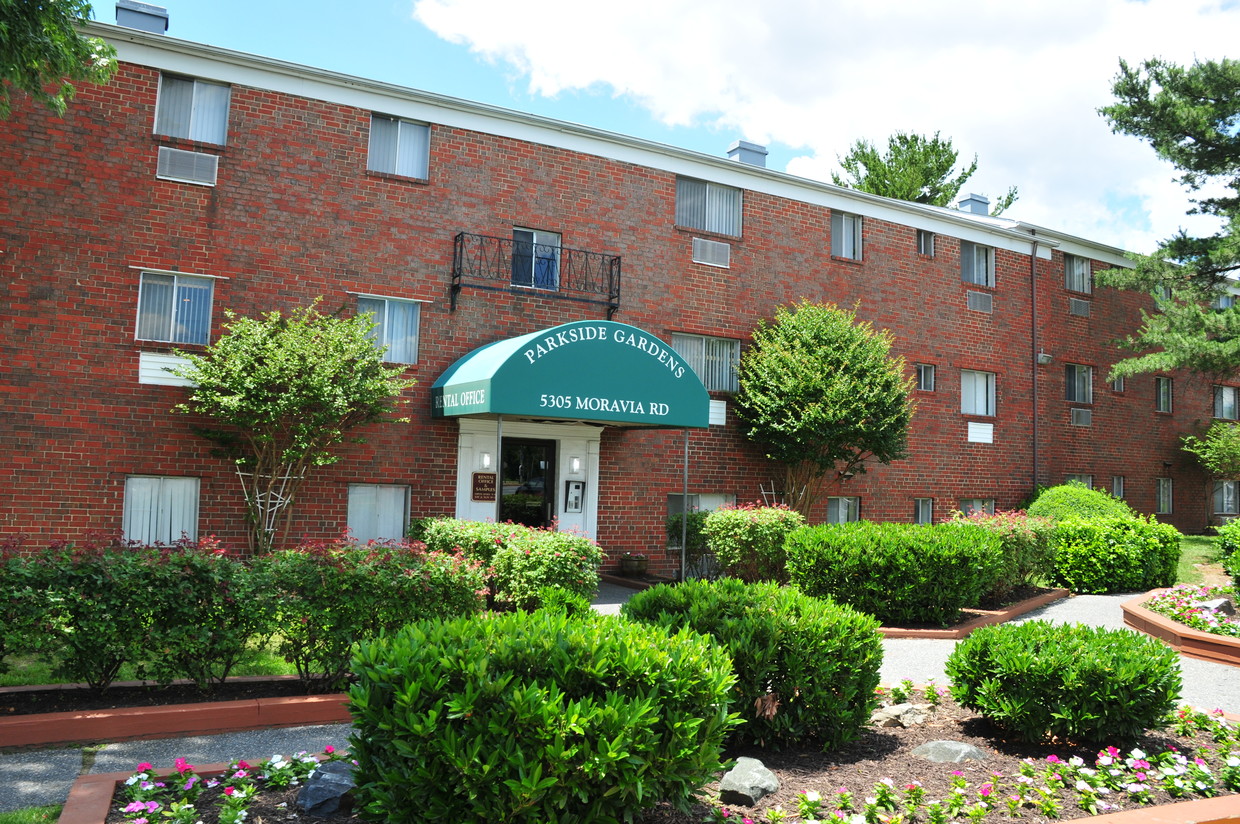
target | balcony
x=518, y=265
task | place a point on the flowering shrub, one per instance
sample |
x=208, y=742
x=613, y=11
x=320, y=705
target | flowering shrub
x=1183, y=603
x=899, y=573
x=535, y=717
x=1027, y=545
x=1068, y=682
x=329, y=596
x=1115, y=554
x=805, y=668
x=748, y=540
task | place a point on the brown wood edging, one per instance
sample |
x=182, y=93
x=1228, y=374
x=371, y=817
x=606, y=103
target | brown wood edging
x=985, y=618
x=1194, y=643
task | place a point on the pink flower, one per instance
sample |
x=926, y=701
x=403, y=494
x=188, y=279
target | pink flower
x=144, y=766
x=182, y=765
x=229, y=791
x=1053, y=759
x=329, y=749
x=241, y=765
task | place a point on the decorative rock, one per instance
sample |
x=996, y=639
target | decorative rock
x=949, y=752
x=900, y=715
x=747, y=783
x=1221, y=605
x=325, y=788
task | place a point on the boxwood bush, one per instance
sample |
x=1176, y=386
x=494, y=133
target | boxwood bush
x=1075, y=501
x=1229, y=538
x=899, y=573
x=1115, y=555
x=535, y=717
x=748, y=540
x=1068, y=682
x=806, y=668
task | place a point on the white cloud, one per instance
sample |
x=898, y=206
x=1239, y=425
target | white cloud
x=1016, y=83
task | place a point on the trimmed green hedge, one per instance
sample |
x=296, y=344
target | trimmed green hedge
x=899, y=573
x=1115, y=555
x=806, y=668
x=535, y=717
x=1075, y=501
x=748, y=541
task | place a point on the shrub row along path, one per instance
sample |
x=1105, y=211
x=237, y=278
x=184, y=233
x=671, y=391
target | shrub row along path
x=39, y=778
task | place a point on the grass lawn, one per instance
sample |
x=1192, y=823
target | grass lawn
x=1196, y=549
x=32, y=815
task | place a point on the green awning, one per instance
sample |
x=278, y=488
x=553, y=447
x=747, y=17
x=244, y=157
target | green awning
x=594, y=370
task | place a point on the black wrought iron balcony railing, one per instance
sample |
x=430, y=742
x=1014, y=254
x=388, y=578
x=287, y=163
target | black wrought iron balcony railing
x=522, y=263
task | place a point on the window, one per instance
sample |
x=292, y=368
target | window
x=1162, y=496
x=708, y=206
x=1077, y=275
x=923, y=510
x=378, y=512
x=535, y=259
x=1084, y=480
x=843, y=510
x=1078, y=383
x=1226, y=498
x=925, y=243
x=845, y=235
x=698, y=502
x=1224, y=301
x=977, y=264
x=972, y=506
x=396, y=330
x=1162, y=394
x=977, y=392
x=1225, y=404
x=1117, y=385
x=1117, y=486
x=174, y=308
x=193, y=109
x=925, y=377
x=160, y=509
x=713, y=360
x=399, y=147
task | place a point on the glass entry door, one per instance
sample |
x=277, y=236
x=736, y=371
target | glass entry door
x=527, y=468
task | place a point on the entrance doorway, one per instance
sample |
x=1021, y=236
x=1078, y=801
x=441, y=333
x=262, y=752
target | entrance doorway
x=527, y=469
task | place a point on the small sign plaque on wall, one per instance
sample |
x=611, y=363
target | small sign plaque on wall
x=483, y=487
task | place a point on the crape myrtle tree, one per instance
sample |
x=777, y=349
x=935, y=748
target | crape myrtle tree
x=1218, y=449
x=914, y=167
x=281, y=392
x=821, y=394
x=1191, y=118
x=42, y=52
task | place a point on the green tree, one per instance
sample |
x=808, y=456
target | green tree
x=822, y=395
x=41, y=47
x=1190, y=116
x=281, y=391
x=914, y=167
x=1218, y=449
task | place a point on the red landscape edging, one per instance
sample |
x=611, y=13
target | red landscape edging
x=985, y=618
x=1194, y=643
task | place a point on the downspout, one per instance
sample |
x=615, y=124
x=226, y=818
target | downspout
x=1033, y=355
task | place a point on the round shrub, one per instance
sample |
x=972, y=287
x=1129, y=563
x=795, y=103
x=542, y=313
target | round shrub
x=1075, y=501
x=1115, y=555
x=899, y=573
x=806, y=668
x=748, y=541
x=1065, y=682
x=1229, y=539
x=535, y=717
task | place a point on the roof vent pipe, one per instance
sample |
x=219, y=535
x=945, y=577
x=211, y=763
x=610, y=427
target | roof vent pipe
x=743, y=151
x=141, y=16
x=977, y=204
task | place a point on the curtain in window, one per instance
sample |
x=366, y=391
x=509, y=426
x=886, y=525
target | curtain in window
x=160, y=510
x=155, y=307
x=1225, y=498
x=176, y=107
x=977, y=393
x=378, y=513
x=401, y=331
x=1225, y=402
x=383, y=138
x=192, y=312
x=210, y=118
x=709, y=207
x=413, y=149
x=546, y=263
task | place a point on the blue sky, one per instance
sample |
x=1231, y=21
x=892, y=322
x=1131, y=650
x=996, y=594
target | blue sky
x=1016, y=84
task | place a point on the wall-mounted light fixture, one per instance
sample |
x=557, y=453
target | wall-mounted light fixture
x=485, y=460
x=1044, y=358
x=574, y=465
x=847, y=476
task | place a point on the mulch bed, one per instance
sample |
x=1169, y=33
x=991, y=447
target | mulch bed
x=78, y=699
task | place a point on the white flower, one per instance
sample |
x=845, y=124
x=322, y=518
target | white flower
x=1233, y=761
x=1105, y=761
x=1076, y=761
x=1137, y=754
x=812, y=796
x=1082, y=786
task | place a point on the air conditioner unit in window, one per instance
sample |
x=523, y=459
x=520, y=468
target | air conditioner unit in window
x=712, y=252
x=980, y=301
x=1078, y=307
x=1082, y=417
x=187, y=167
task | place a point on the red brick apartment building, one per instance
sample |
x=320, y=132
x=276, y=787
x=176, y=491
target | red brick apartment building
x=202, y=179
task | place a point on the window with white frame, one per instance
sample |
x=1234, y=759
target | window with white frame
x=1225, y=402
x=1078, y=383
x=396, y=326
x=378, y=512
x=1162, y=394
x=977, y=264
x=973, y=506
x=1117, y=385
x=160, y=509
x=842, y=510
x=1077, y=275
x=1226, y=498
x=1084, y=480
x=1117, y=486
x=713, y=360
x=1226, y=301
x=535, y=259
x=977, y=392
x=709, y=207
x=925, y=243
x=923, y=510
x=399, y=147
x=925, y=377
x=846, y=235
x=174, y=308
x=192, y=109
x=1162, y=496
x=698, y=502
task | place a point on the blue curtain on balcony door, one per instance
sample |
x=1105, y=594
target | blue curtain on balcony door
x=545, y=269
